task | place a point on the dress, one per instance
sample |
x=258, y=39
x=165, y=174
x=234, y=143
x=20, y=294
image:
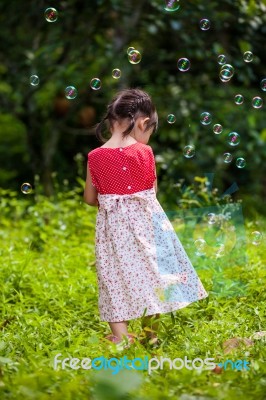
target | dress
x=142, y=268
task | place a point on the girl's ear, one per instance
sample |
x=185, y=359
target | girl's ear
x=142, y=123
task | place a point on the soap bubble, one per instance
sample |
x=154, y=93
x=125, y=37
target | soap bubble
x=116, y=73
x=71, y=92
x=189, y=151
x=96, y=84
x=204, y=24
x=228, y=158
x=171, y=5
x=130, y=49
x=134, y=57
x=233, y=139
x=34, y=80
x=217, y=129
x=248, y=56
x=257, y=102
x=239, y=99
x=256, y=238
x=223, y=77
x=51, y=14
x=183, y=64
x=26, y=188
x=240, y=162
x=200, y=244
x=171, y=119
x=263, y=84
x=211, y=218
x=227, y=71
x=221, y=59
x=205, y=118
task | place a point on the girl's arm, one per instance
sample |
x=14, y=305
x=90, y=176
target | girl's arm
x=90, y=192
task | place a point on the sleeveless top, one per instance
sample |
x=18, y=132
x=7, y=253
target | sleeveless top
x=122, y=170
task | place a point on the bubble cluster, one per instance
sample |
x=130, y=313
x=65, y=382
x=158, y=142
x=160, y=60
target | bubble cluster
x=240, y=162
x=248, y=56
x=217, y=129
x=172, y=5
x=221, y=59
x=256, y=238
x=71, y=92
x=134, y=57
x=183, y=64
x=233, y=138
x=26, y=188
x=204, y=24
x=189, y=151
x=171, y=119
x=205, y=118
x=257, y=102
x=263, y=84
x=239, y=99
x=34, y=80
x=228, y=158
x=96, y=84
x=51, y=14
x=116, y=73
x=227, y=72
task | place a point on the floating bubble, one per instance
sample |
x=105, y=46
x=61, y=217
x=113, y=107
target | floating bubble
x=263, y=84
x=223, y=77
x=233, y=139
x=183, y=64
x=200, y=244
x=96, y=84
x=248, y=56
x=221, y=59
x=256, y=238
x=239, y=99
x=204, y=24
x=172, y=5
x=116, y=73
x=130, y=49
x=134, y=57
x=34, y=80
x=257, y=102
x=26, y=188
x=171, y=119
x=211, y=218
x=51, y=14
x=227, y=72
x=221, y=251
x=217, y=129
x=71, y=92
x=240, y=162
x=205, y=118
x=189, y=151
x=228, y=158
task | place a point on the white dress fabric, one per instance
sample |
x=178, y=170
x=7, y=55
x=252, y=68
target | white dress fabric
x=142, y=268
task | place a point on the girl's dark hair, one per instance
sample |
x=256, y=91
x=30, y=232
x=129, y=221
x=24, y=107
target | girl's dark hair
x=131, y=104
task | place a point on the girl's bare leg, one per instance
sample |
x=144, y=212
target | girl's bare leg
x=119, y=328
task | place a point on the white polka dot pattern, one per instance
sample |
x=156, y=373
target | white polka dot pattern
x=122, y=170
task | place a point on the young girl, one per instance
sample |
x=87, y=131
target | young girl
x=142, y=268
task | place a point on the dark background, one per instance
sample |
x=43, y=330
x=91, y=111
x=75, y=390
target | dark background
x=44, y=134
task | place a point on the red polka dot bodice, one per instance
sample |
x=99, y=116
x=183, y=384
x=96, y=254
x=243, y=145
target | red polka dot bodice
x=122, y=170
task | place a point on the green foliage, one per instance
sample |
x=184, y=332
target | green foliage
x=48, y=306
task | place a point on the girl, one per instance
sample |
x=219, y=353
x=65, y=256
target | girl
x=142, y=268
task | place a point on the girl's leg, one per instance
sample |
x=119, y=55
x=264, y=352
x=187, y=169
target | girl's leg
x=147, y=322
x=119, y=328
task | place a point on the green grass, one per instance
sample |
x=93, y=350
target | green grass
x=49, y=305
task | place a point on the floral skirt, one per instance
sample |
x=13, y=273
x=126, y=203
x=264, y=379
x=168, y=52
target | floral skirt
x=141, y=265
